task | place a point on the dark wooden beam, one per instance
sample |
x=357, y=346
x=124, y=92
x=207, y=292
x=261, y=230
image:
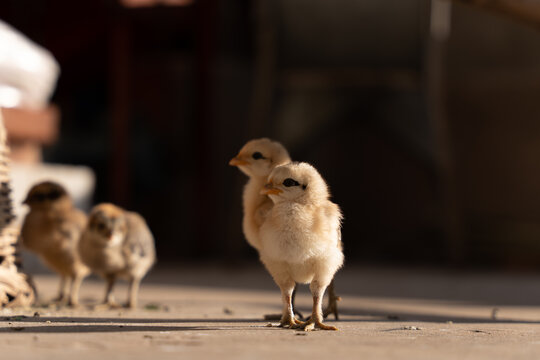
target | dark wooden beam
x=119, y=128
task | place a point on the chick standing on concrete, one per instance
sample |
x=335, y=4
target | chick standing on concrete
x=301, y=238
x=118, y=243
x=257, y=159
x=52, y=229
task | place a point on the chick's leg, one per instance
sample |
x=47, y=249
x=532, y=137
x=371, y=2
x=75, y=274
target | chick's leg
x=317, y=291
x=63, y=290
x=76, y=281
x=109, y=297
x=332, y=302
x=287, y=318
x=133, y=292
x=297, y=314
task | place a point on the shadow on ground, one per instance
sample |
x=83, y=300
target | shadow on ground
x=111, y=324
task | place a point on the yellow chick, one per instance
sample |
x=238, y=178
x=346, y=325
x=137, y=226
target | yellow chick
x=257, y=159
x=52, y=230
x=118, y=243
x=301, y=238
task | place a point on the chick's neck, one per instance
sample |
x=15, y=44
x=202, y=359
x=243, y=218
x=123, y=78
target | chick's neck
x=252, y=195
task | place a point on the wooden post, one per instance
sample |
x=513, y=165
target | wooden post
x=265, y=69
x=206, y=185
x=436, y=77
x=118, y=146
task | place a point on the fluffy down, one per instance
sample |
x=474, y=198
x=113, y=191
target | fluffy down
x=301, y=237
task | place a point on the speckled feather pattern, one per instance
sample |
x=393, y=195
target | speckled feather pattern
x=129, y=253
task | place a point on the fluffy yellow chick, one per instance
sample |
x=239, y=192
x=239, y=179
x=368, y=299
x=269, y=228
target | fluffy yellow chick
x=257, y=159
x=118, y=243
x=52, y=229
x=301, y=238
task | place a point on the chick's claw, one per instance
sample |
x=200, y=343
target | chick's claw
x=311, y=325
x=109, y=305
x=289, y=322
x=74, y=305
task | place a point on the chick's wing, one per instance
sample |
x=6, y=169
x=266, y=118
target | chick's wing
x=139, y=241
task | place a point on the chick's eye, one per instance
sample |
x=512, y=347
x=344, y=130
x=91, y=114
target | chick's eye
x=257, y=155
x=288, y=182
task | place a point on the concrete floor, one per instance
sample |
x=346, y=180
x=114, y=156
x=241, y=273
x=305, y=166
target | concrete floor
x=204, y=312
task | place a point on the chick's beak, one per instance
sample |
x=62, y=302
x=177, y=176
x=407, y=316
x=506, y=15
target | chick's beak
x=269, y=189
x=236, y=161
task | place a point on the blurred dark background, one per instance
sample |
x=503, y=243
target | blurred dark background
x=422, y=116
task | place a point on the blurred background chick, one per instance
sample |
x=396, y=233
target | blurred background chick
x=52, y=229
x=118, y=244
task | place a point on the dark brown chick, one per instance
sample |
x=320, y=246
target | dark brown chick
x=52, y=229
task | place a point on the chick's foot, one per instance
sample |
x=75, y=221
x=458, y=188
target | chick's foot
x=73, y=304
x=289, y=322
x=108, y=306
x=312, y=325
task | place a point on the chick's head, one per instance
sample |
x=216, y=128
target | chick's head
x=297, y=182
x=47, y=194
x=107, y=223
x=258, y=157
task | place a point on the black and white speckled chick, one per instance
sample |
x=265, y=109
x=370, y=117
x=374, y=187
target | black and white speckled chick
x=118, y=244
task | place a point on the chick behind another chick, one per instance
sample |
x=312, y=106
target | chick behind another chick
x=52, y=230
x=118, y=244
x=257, y=159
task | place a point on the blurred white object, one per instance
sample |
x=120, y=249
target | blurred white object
x=28, y=72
